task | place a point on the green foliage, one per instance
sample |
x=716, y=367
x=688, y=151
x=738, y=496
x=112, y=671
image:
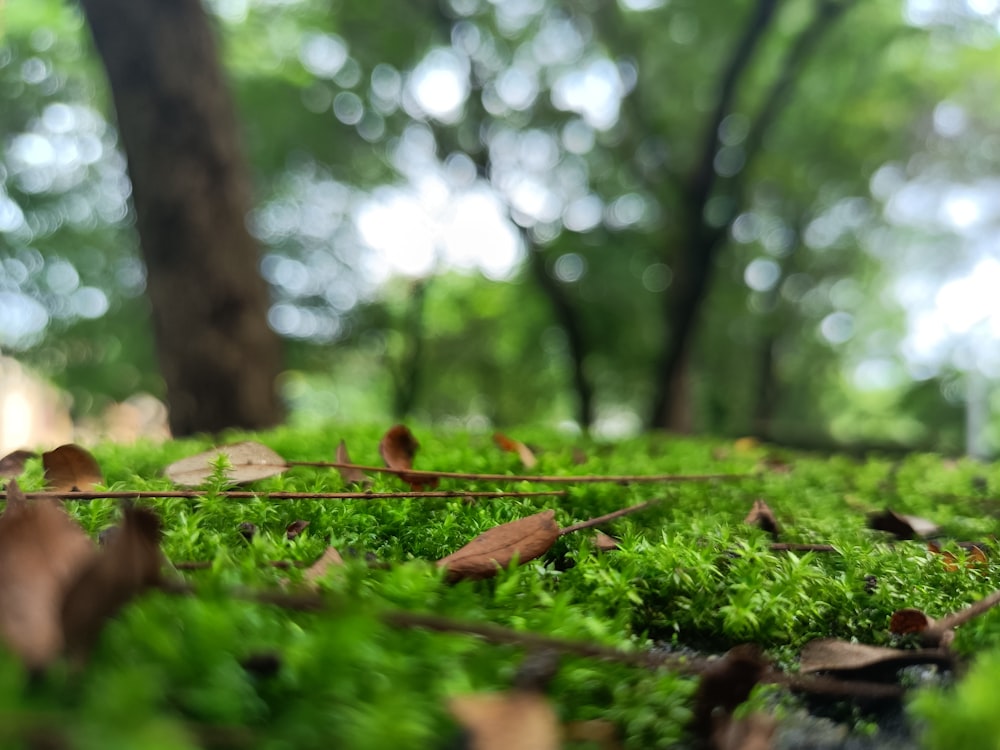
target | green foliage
x=185, y=672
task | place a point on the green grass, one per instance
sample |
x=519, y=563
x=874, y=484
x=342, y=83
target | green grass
x=169, y=672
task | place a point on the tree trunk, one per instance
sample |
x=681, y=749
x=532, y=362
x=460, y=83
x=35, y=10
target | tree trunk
x=191, y=191
x=567, y=319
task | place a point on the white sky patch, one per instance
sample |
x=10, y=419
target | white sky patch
x=420, y=229
x=594, y=91
x=962, y=211
x=971, y=300
x=966, y=308
x=440, y=84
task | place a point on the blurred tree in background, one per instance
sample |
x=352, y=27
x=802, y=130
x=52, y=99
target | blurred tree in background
x=763, y=217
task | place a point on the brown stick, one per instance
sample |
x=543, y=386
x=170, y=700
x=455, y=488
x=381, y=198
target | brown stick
x=690, y=665
x=962, y=616
x=607, y=517
x=247, y=495
x=580, y=479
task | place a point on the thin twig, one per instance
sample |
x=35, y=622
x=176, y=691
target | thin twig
x=607, y=517
x=562, y=479
x=248, y=495
x=962, y=616
x=793, y=547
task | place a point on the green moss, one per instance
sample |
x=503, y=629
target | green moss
x=171, y=672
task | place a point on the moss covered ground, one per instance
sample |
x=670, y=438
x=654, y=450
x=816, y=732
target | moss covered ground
x=214, y=670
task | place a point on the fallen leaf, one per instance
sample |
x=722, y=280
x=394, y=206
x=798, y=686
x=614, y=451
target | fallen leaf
x=525, y=539
x=754, y=732
x=518, y=719
x=329, y=559
x=605, y=543
x=516, y=446
x=13, y=463
x=975, y=558
x=902, y=526
x=909, y=620
x=724, y=685
x=350, y=476
x=248, y=461
x=129, y=564
x=295, y=528
x=70, y=468
x=746, y=444
x=41, y=551
x=398, y=448
x=847, y=659
x=762, y=517
x=600, y=732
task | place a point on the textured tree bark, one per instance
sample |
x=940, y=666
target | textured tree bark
x=191, y=193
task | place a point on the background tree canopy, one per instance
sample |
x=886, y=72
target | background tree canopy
x=763, y=217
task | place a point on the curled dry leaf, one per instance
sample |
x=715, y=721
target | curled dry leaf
x=504, y=721
x=129, y=564
x=909, y=620
x=12, y=465
x=41, y=550
x=350, y=476
x=70, y=468
x=525, y=539
x=398, y=448
x=605, y=543
x=516, y=446
x=762, y=517
x=902, y=526
x=847, y=659
x=248, y=461
x=328, y=560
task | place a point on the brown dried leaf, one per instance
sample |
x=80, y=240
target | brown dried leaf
x=13, y=463
x=504, y=721
x=525, y=539
x=754, y=732
x=329, y=559
x=295, y=528
x=849, y=659
x=762, y=517
x=600, y=732
x=398, y=448
x=350, y=476
x=510, y=445
x=70, y=468
x=909, y=620
x=41, y=550
x=128, y=565
x=724, y=685
x=248, y=461
x=975, y=558
x=902, y=526
x=605, y=543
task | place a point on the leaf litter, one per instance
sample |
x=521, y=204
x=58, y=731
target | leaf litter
x=247, y=462
x=80, y=593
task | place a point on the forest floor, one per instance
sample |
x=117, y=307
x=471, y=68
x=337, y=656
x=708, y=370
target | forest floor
x=480, y=591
